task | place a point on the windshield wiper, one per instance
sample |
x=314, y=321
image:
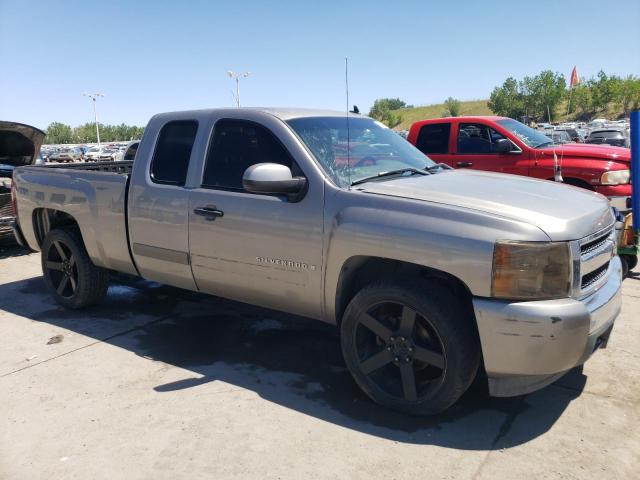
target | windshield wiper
x=543, y=144
x=443, y=166
x=390, y=173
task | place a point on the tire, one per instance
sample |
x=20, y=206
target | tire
x=413, y=331
x=624, y=260
x=632, y=260
x=69, y=274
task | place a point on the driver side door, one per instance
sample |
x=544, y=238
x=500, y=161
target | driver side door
x=257, y=248
x=476, y=148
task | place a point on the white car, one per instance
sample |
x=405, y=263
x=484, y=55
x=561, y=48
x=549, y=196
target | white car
x=98, y=154
x=128, y=152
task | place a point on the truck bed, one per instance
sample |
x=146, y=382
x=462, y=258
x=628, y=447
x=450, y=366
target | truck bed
x=93, y=194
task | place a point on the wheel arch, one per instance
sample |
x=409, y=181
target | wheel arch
x=358, y=271
x=576, y=182
x=46, y=219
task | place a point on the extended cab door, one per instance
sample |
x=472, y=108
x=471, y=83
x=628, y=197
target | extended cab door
x=434, y=140
x=475, y=147
x=158, y=204
x=262, y=249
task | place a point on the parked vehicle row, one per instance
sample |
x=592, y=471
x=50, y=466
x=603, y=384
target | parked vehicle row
x=85, y=153
x=427, y=271
x=598, y=131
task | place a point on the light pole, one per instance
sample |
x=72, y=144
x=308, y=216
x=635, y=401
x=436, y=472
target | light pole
x=237, y=77
x=93, y=97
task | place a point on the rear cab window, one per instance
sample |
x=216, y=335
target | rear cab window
x=170, y=160
x=434, y=138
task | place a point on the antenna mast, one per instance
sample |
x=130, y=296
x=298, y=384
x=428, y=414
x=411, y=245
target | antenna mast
x=346, y=84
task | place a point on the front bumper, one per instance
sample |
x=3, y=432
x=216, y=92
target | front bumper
x=528, y=345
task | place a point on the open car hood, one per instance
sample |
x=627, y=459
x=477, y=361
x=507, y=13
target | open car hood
x=19, y=143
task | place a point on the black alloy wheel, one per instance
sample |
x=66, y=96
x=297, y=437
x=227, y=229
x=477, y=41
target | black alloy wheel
x=62, y=268
x=410, y=346
x=69, y=274
x=400, y=351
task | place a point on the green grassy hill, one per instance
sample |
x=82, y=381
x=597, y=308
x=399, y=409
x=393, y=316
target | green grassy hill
x=410, y=115
x=479, y=107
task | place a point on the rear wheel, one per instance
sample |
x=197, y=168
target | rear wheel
x=69, y=274
x=410, y=347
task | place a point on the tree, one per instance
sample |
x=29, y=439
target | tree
x=453, y=107
x=602, y=91
x=547, y=91
x=626, y=93
x=59, y=133
x=581, y=101
x=383, y=108
x=507, y=100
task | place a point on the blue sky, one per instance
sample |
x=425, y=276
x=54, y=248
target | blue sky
x=154, y=56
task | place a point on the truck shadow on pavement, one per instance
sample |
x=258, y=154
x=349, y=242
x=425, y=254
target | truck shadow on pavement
x=291, y=361
x=9, y=248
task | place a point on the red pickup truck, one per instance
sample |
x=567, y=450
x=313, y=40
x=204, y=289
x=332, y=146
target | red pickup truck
x=500, y=144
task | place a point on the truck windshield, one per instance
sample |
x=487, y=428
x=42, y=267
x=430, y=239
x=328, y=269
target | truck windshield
x=365, y=149
x=528, y=135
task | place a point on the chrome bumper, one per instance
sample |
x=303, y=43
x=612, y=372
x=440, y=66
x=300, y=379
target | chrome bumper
x=528, y=345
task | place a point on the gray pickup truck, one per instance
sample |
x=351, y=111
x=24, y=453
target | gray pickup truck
x=431, y=274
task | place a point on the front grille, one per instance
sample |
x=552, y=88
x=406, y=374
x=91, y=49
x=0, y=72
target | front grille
x=594, y=245
x=592, y=278
x=596, y=251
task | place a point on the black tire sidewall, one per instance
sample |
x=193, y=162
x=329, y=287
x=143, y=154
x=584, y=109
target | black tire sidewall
x=88, y=290
x=455, y=330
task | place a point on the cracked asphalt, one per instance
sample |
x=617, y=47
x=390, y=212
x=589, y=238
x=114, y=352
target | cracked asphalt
x=158, y=382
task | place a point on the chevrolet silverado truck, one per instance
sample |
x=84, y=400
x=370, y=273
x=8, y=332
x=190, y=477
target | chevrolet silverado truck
x=500, y=144
x=431, y=274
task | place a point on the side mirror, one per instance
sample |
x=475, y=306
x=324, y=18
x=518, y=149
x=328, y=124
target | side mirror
x=503, y=145
x=273, y=178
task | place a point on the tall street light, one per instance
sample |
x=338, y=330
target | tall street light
x=93, y=97
x=237, y=77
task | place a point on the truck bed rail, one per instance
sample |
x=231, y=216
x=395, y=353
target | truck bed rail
x=124, y=167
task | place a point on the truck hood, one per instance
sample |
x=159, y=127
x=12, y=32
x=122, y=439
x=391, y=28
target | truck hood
x=561, y=211
x=19, y=144
x=582, y=150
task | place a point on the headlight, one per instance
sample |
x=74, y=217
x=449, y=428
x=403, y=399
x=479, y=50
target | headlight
x=615, y=177
x=531, y=270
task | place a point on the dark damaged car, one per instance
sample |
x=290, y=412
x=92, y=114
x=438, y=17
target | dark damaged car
x=19, y=146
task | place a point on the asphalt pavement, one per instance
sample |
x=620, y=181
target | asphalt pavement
x=158, y=382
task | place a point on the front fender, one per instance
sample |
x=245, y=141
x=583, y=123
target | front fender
x=453, y=240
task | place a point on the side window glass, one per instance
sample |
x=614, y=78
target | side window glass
x=236, y=145
x=473, y=138
x=170, y=160
x=434, y=138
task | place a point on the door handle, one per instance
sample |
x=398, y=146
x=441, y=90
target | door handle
x=209, y=212
x=465, y=164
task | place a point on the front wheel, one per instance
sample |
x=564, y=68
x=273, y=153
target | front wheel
x=69, y=274
x=410, y=346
